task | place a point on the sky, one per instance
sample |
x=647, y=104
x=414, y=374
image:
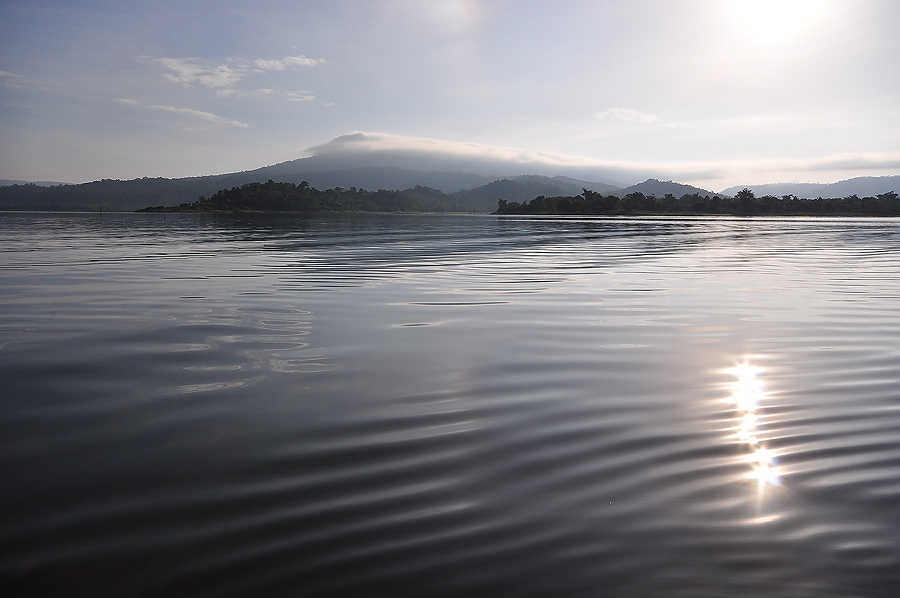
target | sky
x=709, y=92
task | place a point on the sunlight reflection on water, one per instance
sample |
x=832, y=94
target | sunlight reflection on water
x=748, y=395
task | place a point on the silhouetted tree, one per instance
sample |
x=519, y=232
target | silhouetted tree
x=744, y=200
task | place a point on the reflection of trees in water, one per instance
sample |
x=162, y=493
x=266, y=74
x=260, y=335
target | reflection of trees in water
x=385, y=244
x=368, y=246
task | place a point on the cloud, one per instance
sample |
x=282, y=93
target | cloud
x=234, y=93
x=190, y=71
x=207, y=116
x=790, y=167
x=194, y=71
x=365, y=149
x=215, y=118
x=13, y=80
x=861, y=161
x=822, y=169
x=287, y=61
x=270, y=65
x=627, y=114
x=300, y=96
x=303, y=60
x=361, y=149
x=361, y=141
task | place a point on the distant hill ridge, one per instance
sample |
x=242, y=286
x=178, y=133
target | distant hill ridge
x=528, y=187
x=8, y=182
x=861, y=186
x=477, y=189
x=662, y=188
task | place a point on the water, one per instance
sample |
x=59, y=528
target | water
x=449, y=406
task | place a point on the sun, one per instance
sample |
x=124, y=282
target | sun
x=775, y=21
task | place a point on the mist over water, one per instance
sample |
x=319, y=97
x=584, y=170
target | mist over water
x=449, y=405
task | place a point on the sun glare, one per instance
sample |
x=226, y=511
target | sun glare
x=748, y=394
x=773, y=21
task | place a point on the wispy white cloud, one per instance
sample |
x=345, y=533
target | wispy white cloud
x=286, y=62
x=234, y=93
x=194, y=71
x=12, y=80
x=270, y=65
x=215, y=118
x=627, y=114
x=859, y=161
x=190, y=71
x=303, y=60
x=199, y=114
x=300, y=96
x=791, y=169
x=305, y=97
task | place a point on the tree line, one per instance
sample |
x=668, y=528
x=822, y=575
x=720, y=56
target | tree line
x=288, y=197
x=744, y=203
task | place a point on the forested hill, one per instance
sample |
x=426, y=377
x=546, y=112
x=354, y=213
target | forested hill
x=745, y=203
x=288, y=197
x=117, y=195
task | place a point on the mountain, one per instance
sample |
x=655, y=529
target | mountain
x=116, y=195
x=661, y=189
x=365, y=150
x=372, y=161
x=8, y=182
x=368, y=177
x=866, y=186
x=527, y=187
x=364, y=161
x=580, y=185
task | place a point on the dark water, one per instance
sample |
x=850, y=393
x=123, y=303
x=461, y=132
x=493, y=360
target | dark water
x=449, y=405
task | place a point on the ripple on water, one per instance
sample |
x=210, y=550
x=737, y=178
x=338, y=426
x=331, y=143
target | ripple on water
x=450, y=406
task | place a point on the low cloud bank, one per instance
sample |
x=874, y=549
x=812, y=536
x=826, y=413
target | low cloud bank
x=362, y=149
x=367, y=149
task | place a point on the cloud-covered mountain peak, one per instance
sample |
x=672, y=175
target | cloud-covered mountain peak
x=361, y=149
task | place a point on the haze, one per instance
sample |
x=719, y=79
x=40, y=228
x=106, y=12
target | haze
x=711, y=93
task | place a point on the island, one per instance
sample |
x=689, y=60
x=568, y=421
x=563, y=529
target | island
x=274, y=196
x=744, y=203
x=288, y=197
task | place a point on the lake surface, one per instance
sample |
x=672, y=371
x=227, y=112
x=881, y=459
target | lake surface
x=449, y=406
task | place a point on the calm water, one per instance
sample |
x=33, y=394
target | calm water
x=449, y=405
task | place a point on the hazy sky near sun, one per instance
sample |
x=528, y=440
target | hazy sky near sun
x=713, y=92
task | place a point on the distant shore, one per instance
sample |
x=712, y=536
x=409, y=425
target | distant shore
x=745, y=203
